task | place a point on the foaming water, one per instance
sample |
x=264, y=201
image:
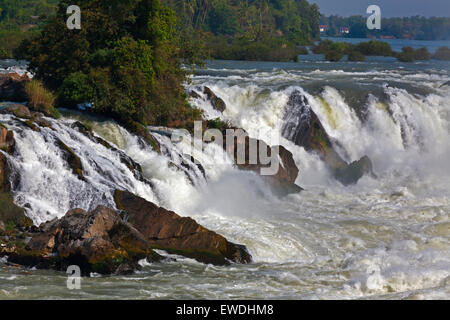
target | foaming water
x=386, y=237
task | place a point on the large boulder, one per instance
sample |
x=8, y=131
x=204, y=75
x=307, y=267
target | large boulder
x=12, y=87
x=216, y=102
x=303, y=127
x=283, y=181
x=19, y=110
x=166, y=230
x=98, y=241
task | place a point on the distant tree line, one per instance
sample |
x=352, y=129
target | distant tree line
x=250, y=29
x=416, y=28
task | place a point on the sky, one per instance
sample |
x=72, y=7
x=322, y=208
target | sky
x=389, y=8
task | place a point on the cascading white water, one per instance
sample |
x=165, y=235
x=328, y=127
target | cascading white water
x=385, y=236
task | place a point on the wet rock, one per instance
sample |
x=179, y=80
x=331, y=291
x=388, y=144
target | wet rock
x=72, y=159
x=356, y=170
x=303, y=127
x=19, y=110
x=168, y=231
x=133, y=166
x=7, y=141
x=38, y=118
x=12, y=87
x=97, y=241
x=216, y=102
x=193, y=94
x=283, y=180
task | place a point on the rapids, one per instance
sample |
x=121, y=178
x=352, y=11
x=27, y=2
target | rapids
x=386, y=237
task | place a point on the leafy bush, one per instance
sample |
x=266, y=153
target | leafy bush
x=356, y=56
x=268, y=49
x=334, y=55
x=443, y=53
x=407, y=55
x=422, y=54
x=41, y=99
x=322, y=47
x=375, y=48
x=75, y=90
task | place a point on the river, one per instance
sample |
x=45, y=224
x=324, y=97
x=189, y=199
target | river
x=386, y=237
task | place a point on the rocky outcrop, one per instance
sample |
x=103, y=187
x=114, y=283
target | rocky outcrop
x=283, y=181
x=72, y=159
x=98, y=241
x=6, y=139
x=109, y=242
x=166, y=230
x=12, y=87
x=19, y=110
x=303, y=127
x=10, y=213
x=216, y=102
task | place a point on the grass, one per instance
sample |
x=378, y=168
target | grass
x=41, y=99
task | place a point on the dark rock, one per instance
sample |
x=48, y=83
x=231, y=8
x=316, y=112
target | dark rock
x=132, y=165
x=355, y=171
x=19, y=110
x=216, y=102
x=38, y=118
x=7, y=141
x=168, y=231
x=303, y=127
x=5, y=185
x=283, y=182
x=72, y=159
x=194, y=94
x=12, y=87
x=97, y=241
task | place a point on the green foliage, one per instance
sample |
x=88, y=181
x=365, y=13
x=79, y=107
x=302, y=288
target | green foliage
x=41, y=99
x=355, y=55
x=422, y=54
x=273, y=49
x=443, y=53
x=75, y=89
x=417, y=28
x=218, y=124
x=12, y=215
x=295, y=20
x=322, y=47
x=238, y=29
x=334, y=55
x=408, y=54
x=126, y=60
x=375, y=48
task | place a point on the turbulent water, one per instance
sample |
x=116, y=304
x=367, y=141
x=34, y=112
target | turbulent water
x=386, y=237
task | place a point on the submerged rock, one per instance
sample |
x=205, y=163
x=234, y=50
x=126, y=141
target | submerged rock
x=303, y=127
x=97, y=241
x=164, y=229
x=216, y=102
x=12, y=87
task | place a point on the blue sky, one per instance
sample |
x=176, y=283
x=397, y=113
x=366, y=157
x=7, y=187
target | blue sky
x=389, y=8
